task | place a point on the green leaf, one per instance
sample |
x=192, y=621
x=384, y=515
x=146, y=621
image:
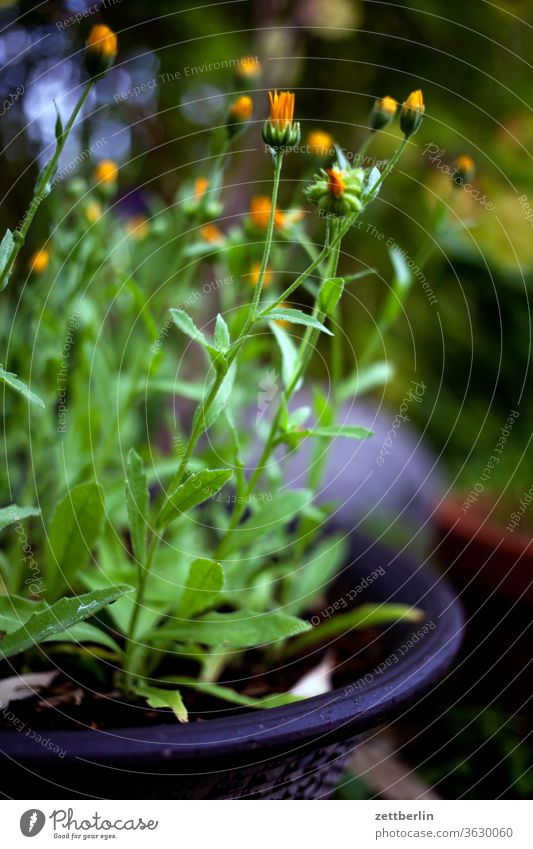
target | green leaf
x=55, y=618
x=294, y=316
x=6, y=246
x=288, y=350
x=197, y=488
x=330, y=294
x=240, y=630
x=74, y=531
x=59, y=124
x=20, y=387
x=194, y=391
x=365, y=379
x=364, y=616
x=157, y=697
x=284, y=506
x=12, y=514
x=15, y=610
x=82, y=633
x=205, y=581
x=137, y=504
x=313, y=573
x=222, y=337
x=226, y=694
x=185, y=323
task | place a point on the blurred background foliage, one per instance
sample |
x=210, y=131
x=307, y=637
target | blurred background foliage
x=472, y=348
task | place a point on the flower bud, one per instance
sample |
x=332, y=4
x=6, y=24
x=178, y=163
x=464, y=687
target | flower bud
x=383, y=113
x=337, y=191
x=100, y=50
x=465, y=168
x=412, y=113
x=279, y=130
x=239, y=113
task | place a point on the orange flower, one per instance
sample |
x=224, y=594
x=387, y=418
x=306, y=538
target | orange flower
x=241, y=109
x=336, y=184
x=39, y=261
x=260, y=207
x=388, y=105
x=211, y=233
x=200, y=185
x=255, y=272
x=106, y=172
x=412, y=113
x=102, y=40
x=321, y=143
x=281, y=109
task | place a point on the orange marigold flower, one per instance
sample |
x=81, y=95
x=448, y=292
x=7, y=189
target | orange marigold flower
x=250, y=66
x=412, y=113
x=39, y=261
x=321, y=143
x=200, y=185
x=101, y=49
x=336, y=184
x=281, y=109
x=212, y=234
x=106, y=172
x=241, y=109
x=255, y=271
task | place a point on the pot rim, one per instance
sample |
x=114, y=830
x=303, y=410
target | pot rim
x=333, y=715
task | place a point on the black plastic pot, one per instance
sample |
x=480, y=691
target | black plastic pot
x=292, y=752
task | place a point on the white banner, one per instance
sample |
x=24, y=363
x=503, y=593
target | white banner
x=358, y=824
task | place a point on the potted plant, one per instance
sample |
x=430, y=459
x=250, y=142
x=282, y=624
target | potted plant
x=185, y=616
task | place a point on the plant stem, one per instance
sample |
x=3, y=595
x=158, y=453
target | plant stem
x=268, y=244
x=42, y=185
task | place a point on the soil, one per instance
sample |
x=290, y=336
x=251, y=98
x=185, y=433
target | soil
x=68, y=705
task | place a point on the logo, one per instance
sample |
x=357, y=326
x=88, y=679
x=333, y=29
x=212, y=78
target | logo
x=32, y=822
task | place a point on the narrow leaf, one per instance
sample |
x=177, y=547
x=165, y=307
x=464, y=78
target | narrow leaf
x=197, y=488
x=55, y=618
x=365, y=379
x=205, y=581
x=227, y=694
x=288, y=350
x=12, y=514
x=185, y=323
x=240, y=630
x=157, y=697
x=6, y=246
x=330, y=294
x=222, y=337
x=294, y=316
x=284, y=506
x=137, y=504
x=346, y=431
x=13, y=381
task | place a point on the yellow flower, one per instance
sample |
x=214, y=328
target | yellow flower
x=211, y=233
x=255, y=272
x=383, y=112
x=93, y=212
x=249, y=66
x=279, y=130
x=412, y=113
x=200, y=186
x=336, y=184
x=106, y=172
x=39, y=261
x=101, y=50
x=321, y=143
x=241, y=109
x=137, y=227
